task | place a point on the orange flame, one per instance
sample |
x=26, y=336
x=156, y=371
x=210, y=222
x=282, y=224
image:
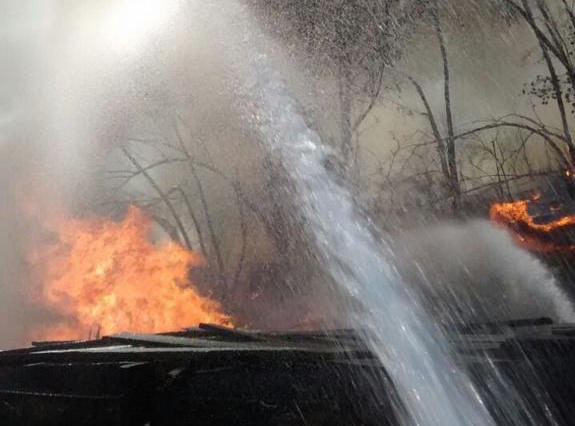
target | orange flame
x=529, y=233
x=108, y=276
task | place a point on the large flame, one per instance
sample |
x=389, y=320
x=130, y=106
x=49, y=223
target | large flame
x=530, y=234
x=99, y=274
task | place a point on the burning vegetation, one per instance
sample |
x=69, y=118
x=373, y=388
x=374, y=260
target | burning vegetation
x=546, y=233
x=99, y=276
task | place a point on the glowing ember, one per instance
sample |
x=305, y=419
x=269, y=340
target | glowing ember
x=107, y=276
x=532, y=235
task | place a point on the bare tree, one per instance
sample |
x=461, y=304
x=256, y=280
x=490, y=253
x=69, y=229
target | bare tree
x=446, y=148
x=354, y=40
x=186, y=202
x=554, y=28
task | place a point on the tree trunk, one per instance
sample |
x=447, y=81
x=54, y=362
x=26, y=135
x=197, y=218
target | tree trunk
x=346, y=110
x=435, y=129
x=450, y=142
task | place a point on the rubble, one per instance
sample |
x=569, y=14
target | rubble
x=215, y=375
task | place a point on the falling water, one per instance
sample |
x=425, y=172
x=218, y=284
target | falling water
x=432, y=389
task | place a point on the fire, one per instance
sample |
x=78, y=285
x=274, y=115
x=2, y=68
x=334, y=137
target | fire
x=101, y=276
x=529, y=233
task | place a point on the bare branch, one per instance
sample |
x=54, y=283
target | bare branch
x=558, y=98
x=129, y=175
x=194, y=218
x=498, y=124
x=244, y=233
x=204, y=202
x=373, y=100
x=162, y=195
x=435, y=129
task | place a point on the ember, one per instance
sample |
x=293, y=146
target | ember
x=530, y=234
x=98, y=274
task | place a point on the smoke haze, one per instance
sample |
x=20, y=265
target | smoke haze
x=78, y=79
x=475, y=273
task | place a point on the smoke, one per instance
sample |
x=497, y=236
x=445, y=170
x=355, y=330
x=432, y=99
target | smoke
x=78, y=79
x=475, y=273
x=81, y=80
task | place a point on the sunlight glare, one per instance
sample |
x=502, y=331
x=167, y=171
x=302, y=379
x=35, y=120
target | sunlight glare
x=131, y=21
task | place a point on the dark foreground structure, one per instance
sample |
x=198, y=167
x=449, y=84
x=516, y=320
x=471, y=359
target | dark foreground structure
x=212, y=375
